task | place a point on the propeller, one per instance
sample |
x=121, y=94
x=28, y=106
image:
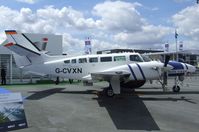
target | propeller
x=166, y=61
x=167, y=57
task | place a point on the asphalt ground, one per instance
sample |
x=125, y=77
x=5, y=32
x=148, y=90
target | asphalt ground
x=78, y=108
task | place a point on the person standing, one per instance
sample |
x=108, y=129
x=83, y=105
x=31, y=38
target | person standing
x=3, y=76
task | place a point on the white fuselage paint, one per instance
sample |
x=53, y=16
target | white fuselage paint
x=139, y=70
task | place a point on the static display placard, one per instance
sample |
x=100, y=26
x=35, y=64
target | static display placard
x=12, y=114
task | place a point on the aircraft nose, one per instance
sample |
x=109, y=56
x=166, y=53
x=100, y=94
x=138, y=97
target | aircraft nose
x=170, y=67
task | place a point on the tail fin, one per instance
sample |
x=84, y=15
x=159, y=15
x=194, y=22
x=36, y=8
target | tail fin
x=25, y=50
x=21, y=44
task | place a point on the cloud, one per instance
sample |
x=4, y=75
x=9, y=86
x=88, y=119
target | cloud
x=72, y=45
x=45, y=20
x=118, y=16
x=104, y=45
x=127, y=26
x=2, y=37
x=66, y=17
x=187, y=22
x=149, y=36
x=121, y=26
x=27, y=1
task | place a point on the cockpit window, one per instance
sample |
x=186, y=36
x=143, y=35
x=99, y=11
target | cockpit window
x=135, y=58
x=146, y=58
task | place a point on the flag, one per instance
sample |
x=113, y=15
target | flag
x=88, y=48
x=176, y=34
x=87, y=42
x=166, y=47
x=181, y=46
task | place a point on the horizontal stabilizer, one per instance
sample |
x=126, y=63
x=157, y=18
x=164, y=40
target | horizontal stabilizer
x=21, y=61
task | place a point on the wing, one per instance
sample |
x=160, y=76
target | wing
x=107, y=75
x=113, y=77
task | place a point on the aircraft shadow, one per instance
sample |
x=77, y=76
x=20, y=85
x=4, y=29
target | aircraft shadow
x=128, y=112
x=165, y=93
x=37, y=95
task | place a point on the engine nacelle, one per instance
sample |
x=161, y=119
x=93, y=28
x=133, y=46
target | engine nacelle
x=180, y=69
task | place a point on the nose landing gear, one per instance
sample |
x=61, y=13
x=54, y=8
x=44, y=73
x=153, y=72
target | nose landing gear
x=176, y=88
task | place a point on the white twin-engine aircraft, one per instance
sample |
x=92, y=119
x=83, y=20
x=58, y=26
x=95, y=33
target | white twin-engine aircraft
x=121, y=70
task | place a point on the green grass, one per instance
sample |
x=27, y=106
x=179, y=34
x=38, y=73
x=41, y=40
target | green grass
x=3, y=120
x=40, y=83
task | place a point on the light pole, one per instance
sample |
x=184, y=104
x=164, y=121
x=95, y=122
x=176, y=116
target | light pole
x=176, y=39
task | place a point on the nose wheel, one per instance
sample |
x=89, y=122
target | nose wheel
x=176, y=89
x=109, y=91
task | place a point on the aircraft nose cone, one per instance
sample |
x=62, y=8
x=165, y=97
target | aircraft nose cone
x=170, y=67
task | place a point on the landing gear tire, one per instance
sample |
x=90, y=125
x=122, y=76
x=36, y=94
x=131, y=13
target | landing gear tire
x=176, y=89
x=57, y=81
x=70, y=81
x=109, y=92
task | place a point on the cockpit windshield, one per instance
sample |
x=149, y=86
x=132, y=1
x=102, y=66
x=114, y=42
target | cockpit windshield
x=146, y=58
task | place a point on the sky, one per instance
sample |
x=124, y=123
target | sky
x=131, y=24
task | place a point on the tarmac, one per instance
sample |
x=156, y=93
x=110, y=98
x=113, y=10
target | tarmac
x=78, y=108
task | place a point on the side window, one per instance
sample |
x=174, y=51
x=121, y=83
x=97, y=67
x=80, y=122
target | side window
x=73, y=61
x=82, y=60
x=119, y=58
x=135, y=58
x=106, y=59
x=67, y=61
x=93, y=60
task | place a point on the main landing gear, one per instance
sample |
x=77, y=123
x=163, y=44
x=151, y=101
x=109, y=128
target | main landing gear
x=176, y=89
x=57, y=81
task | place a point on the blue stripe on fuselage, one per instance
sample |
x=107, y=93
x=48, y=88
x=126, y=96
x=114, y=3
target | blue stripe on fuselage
x=132, y=72
x=186, y=66
x=141, y=71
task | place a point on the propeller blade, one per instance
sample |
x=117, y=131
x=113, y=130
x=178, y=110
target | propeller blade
x=167, y=58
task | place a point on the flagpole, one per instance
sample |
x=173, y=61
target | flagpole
x=176, y=39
